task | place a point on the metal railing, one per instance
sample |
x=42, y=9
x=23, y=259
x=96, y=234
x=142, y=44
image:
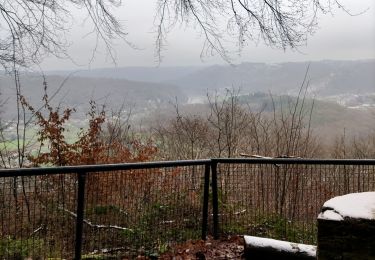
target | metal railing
x=281, y=198
x=143, y=208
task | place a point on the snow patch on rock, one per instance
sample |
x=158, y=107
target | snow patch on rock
x=354, y=205
x=280, y=245
x=330, y=215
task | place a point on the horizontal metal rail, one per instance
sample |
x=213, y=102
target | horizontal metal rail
x=149, y=165
x=98, y=168
x=295, y=161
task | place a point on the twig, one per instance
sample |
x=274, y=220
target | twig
x=89, y=223
x=37, y=230
x=107, y=250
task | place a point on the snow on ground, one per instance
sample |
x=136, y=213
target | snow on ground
x=354, y=205
x=280, y=245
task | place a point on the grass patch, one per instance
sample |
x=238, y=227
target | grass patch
x=21, y=249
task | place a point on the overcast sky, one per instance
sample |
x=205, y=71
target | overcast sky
x=338, y=37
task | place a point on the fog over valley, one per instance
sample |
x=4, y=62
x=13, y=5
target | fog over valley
x=172, y=129
x=343, y=89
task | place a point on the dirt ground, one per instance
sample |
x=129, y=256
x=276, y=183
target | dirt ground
x=231, y=247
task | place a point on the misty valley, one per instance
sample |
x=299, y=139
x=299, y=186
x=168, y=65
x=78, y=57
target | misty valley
x=132, y=161
x=329, y=99
x=187, y=129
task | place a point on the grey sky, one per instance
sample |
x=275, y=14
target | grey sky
x=338, y=37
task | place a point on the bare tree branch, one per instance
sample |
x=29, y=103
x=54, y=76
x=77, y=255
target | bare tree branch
x=32, y=29
x=278, y=23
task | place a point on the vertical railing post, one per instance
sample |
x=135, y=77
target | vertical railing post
x=205, y=200
x=80, y=213
x=215, y=200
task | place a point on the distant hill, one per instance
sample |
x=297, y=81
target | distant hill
x=77, y=92
x=350, y=83
x=325, y=115
x=326, y=78
x=144, y=74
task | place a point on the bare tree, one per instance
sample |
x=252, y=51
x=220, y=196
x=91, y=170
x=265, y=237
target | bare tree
x=282, y=24
x=292, y=131
x=229, y=120
x=32, y=29
x=185, y=136
x=357, y=147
